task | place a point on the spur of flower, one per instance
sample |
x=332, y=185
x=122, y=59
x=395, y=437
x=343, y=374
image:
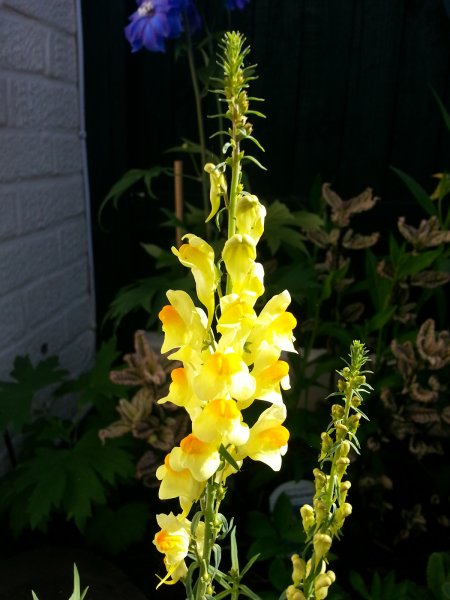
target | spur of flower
x=230, y=346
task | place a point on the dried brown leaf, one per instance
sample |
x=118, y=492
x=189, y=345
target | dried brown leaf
x=359, y=242
x=430, y=279
x=352, y=312
x=427, y=235
x=433, y=347
x=342, y=210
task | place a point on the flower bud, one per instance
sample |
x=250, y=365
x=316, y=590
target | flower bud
x=250, y=215
x=327, y=444
x=320, y=510
x=320, y=479
x=337, y=412
x=292, y=593
x=322, y=543
x=353, y=422
x=341, y=465
x=343, y=489
x=218, y=187
x=355, y=401
x=322, y=583
x=344, y=448
x=308, y=517
x=298, y=569
x=341, y=431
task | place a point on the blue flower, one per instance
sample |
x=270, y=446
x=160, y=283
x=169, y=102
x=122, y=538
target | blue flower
x=232, y=4
x=156, y=21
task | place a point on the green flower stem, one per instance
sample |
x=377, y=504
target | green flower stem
x=235, y=181
x=209, y=513
x=199, y=114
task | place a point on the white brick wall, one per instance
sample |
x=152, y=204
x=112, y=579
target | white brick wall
x=45, y=295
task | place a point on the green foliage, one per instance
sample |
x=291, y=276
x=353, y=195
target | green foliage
x=285, y=227
x=16, y=397
x=380, y=589
x=118, y=529
x=275, y=537
x=63, y=468
x=387, y=588
x=420, y=195
x=129, y=180
x=76, y=594
x=438, y=575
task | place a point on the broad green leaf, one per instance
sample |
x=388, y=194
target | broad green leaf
x=279, y=575
x=16, y=397
x=142, y=294
x=50, y=469
x=95, y=385
x=438, y=567
x=84, y=488
x=115, y=530
x=128, y=180
x=110, y=460
x=358, y=584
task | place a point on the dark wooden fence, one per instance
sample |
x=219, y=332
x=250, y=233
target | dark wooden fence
x=348, y=87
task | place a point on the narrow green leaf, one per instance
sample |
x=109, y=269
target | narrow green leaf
x=255, y=161
x=444, y=113
x=249, y=565
x=246, y=591
x=417, y=191
x=234, y=551
x=228, y=458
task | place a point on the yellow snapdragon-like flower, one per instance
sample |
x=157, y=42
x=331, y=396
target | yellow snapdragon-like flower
x=178, y=484
x=250, y=215
x=239, y=254
x=274, y=326
x=181, y=393
x=182, y=322
x=201, y=458
x=268, y=438
x=237, y=318
x=173, y=541
x=270, y=374
x=224, y=375
x=199, y=257
x=220, y=422
x=218, y=188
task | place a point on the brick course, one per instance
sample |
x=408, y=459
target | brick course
x=45, y=298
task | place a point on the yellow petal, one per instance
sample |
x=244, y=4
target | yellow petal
x=178, y=484
x=199, y=257
x=220, y=422
x=202, y=459
x=250, y=215
x=218, y=187
x=224, y=375
x=268, y=438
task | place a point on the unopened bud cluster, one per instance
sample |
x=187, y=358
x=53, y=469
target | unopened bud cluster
x=324, y=520
x=235, y=84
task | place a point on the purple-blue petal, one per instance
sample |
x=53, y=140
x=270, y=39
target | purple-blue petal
x=240, y=4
